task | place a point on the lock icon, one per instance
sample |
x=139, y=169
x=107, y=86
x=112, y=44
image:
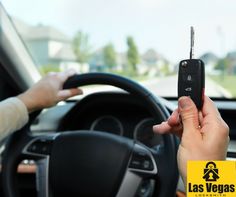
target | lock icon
x=211, y=172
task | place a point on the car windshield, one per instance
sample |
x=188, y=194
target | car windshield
x=141, y=39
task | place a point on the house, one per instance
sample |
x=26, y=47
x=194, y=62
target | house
x=154, y=63
x=122, y=61
x=47, y=45
x=96, y=61
x=150, y=57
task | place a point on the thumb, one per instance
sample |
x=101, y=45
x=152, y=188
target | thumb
x=189, y=116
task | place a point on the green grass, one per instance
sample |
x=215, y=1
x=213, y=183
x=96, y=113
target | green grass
x=227, y=82
x=44, y=69
x=133, y=76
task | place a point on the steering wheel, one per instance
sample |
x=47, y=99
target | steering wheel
x=82, y=163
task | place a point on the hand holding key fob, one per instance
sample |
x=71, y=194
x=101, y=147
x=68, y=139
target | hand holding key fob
x=191, y=79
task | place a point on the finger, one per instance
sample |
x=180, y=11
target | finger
x=210, y=114
x=162, y=128
x=209, y=108
x=66, y=74
x=65, y=94
x=213, y=121
x=172, y=124
x=165, y=128
x=167, y=125
x=189, y=117
x=200, y=116
x=174, y=119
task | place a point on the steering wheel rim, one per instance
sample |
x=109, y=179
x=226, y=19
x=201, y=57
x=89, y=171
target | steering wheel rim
x=167, y=176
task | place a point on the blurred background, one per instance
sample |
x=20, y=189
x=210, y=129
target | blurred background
x=141, y=39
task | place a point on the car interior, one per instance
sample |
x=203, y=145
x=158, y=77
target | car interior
x=100, y=143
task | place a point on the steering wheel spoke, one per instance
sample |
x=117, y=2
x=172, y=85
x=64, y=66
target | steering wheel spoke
x=39, y=148
x=142, y=161
x=142, y=165
x=42, y=177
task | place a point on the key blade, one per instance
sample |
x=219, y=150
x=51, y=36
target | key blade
x=192, y=43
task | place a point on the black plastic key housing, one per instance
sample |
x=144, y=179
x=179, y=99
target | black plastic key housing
x=191, y=80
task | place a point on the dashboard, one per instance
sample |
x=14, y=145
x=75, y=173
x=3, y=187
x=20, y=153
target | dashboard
x=117, y=113
x=122, y=114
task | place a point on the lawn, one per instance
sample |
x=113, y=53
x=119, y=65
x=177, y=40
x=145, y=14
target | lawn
x=228, y=82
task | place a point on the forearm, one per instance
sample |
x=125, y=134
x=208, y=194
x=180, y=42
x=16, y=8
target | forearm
x=45, y=93
x=13, y=116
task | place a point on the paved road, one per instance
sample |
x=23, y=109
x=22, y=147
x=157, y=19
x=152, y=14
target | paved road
x=167, y=86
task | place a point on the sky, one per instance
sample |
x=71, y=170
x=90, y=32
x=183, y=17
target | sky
x=163, y=25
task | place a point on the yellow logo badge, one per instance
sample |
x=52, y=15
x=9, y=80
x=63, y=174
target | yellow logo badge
x=211, y=179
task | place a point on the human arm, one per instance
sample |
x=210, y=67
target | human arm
x=45, y=93
x=203, y=135
x=13, y=115
x=48, y=91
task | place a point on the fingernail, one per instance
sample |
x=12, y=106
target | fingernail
x=78, y=91
x=184, y=102
x=155, y=127
x=64, y=93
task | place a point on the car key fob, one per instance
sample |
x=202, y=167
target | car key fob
x=191, y=77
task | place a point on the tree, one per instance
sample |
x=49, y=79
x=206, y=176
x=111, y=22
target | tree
x=132, y=54
x=221, y=64
x=109, y=56
x=81, y=47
